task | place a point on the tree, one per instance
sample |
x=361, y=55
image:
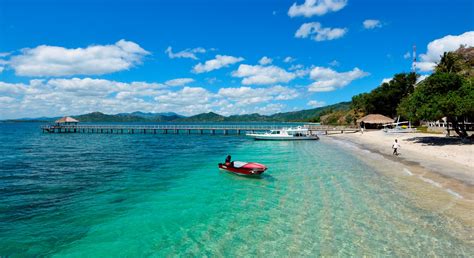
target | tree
x=460, y=62
x=450, y=63
x=442, y=95
x=385, y=98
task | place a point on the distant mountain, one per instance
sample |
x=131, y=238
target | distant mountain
x=127, y=117
x=204, y=117
x=310, y=114
x=149, y=115
x=294, y=116
x=248, y=117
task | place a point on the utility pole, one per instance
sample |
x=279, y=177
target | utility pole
x=414, y=59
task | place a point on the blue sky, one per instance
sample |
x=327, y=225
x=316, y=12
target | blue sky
x=72, y=57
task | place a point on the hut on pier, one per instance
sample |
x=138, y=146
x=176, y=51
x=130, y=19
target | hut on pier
x=66, y=121
x=374, y=121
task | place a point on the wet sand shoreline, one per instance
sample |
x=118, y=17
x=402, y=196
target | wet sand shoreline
x=438, y=185
x=454, y=161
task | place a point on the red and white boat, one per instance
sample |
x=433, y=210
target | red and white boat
x=243, y=168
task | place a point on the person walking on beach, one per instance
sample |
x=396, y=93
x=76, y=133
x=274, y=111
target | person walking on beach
x=395, y=147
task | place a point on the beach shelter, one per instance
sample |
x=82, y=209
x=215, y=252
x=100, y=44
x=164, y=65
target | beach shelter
x=374, y=120
x=67, y=121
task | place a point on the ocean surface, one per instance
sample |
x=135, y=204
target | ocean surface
x=103, y=195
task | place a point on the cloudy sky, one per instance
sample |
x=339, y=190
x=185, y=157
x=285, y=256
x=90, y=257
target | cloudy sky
x=232, y=57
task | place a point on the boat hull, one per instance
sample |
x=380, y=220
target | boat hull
x=251, y=169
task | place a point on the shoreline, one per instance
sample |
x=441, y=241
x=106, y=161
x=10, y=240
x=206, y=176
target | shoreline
x=433, y=182
x=451, y=159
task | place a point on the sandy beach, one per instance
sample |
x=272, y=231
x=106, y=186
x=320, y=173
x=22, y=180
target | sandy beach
x=447, y=156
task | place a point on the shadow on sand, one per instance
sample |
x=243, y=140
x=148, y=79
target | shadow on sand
x=440, y=141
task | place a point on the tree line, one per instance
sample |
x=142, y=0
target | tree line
x=447, y=92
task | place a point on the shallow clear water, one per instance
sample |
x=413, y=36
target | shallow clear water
x=161, y=195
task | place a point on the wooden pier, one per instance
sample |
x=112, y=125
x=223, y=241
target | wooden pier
x=180, y=129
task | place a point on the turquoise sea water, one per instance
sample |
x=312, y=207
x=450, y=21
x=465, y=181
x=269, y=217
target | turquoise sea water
x=96, y=195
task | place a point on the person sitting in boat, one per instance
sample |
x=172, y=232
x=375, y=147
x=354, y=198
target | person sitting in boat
x=227, y=160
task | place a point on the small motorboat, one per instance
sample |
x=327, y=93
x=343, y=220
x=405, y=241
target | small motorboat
x=243, y=168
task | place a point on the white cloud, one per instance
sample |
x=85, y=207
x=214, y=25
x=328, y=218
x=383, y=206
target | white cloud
x=257, y=74
x=57, y=97
x=247, y=95
x=425, y=66
x=407, y=55
x=187, y=53
x=179, y=81
x=316, y=103
x=12, y=88
x=268, y=109
x=316, y=7
x=303, y=72
x=212, y=80
x=334, y=63
x=93, y=60
x=315, y=31
x=436, y=49
x=217, y=63
x=386, y=80
x=188, y=96
x=265, y=60
x=372, y=24
x=421, y=78
x=327, y=79
x=295, y=67
x=6, y=100
x=3, y=62
x=289, y=59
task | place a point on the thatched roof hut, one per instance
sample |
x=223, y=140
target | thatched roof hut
x=67, y=120
x=375, y=120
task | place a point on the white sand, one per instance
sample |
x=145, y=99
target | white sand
x=446, y=156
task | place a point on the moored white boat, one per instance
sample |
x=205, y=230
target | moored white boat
x=399, y=127
x=285, y=134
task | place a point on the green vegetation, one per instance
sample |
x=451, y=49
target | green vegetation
x=309, y=115
x=449, y=92
x=385, y=98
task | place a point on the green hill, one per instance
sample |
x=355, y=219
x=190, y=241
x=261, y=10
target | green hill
x=204, y=117
x=295, y=116
x=309, y=114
